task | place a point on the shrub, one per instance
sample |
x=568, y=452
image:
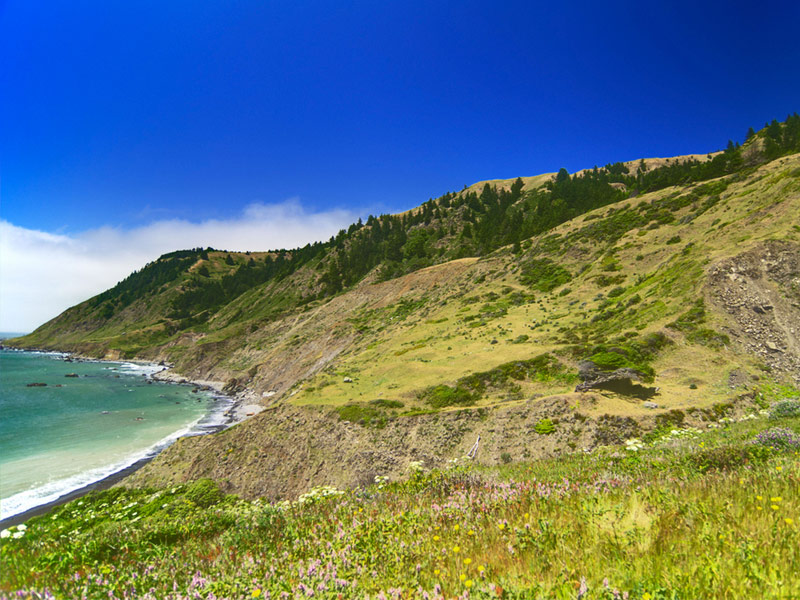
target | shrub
x=543, y=274
x=778, y=438
x=441, y=396
x=544, y=427
x=505, y=457
x=617, y=291
x=785, y=408
x=385, y=403
x=204, y=492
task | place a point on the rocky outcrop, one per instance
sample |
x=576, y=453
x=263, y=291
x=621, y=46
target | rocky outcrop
x=621, y=381
x=760, y=291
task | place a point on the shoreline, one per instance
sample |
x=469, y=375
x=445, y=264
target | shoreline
x=242, y=406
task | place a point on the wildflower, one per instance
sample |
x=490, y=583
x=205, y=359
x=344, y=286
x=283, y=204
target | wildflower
x=481, y=568
x=436, y=571
x=633, y=444
x=462, y=577
x=789, y=521
x=646, y=596
x=5, y=534
x=256, y=593
x=456, y=549
x=467, y=561
x=468, y=583
x=455, y=527
x=527, y=515
x=774, y=507
x=758, y=508
x=501, y=526
x=436, y=538
x=776, y=499
x=759, y=498
x=583, y=588
x=471, y=532
x=779, y=468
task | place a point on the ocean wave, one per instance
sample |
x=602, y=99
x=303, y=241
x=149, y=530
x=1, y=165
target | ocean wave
x=51, y=491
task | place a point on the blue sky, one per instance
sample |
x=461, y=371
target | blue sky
x=119, y=119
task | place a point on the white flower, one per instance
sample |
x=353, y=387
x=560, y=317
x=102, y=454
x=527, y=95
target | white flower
x=18, y=534
x=633, y=444
x=415, y=466
x=5, y=534
x=22, y=527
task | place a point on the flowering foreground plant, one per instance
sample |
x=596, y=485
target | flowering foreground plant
x=703, y=514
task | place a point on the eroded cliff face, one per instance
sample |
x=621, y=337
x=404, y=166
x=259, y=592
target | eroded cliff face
x=287, y=450
x=759, y=291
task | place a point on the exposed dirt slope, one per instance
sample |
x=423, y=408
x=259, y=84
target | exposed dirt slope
x=286, y=450
x=760, y=291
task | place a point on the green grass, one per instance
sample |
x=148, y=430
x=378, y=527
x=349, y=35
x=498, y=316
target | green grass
x=691, y=514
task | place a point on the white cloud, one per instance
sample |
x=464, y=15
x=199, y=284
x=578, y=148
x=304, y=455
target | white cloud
x=42, y=274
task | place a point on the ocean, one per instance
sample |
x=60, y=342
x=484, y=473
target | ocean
x=74, y=431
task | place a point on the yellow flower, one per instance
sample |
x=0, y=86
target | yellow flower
x=646, y=596
x=774, y=507
x=456, y=549
x=436, y=571
x=256, y=593
x=481, y=568
x=741, y=481
x=779, y=468
x=467, y=561
x=789, y=521
x=527, y=515
x=471, y=532
x=759, y=497
x=436, y=538
x=468, y=583
x=758, y=508
x=776, y=499
x=501, y=526
x=462, y=577
x=360, y=509
x=455, y=527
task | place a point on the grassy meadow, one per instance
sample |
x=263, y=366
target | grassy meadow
x=680, y=513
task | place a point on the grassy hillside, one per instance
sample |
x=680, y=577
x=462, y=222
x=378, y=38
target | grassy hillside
x=682, y=513
x=571, y=262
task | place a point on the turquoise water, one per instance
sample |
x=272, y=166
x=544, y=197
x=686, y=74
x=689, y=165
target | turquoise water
x=77, y=430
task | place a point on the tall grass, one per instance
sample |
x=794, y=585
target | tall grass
x=692, y=514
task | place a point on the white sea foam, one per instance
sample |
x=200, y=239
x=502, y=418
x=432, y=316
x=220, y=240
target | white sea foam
x=24, y=501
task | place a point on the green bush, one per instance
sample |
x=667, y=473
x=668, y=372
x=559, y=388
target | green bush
x=544, y=275
x=785, y=409
x=441, y=396
x=544, y=427
x=385, y=403
x=708, y=337
x=204, y=492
